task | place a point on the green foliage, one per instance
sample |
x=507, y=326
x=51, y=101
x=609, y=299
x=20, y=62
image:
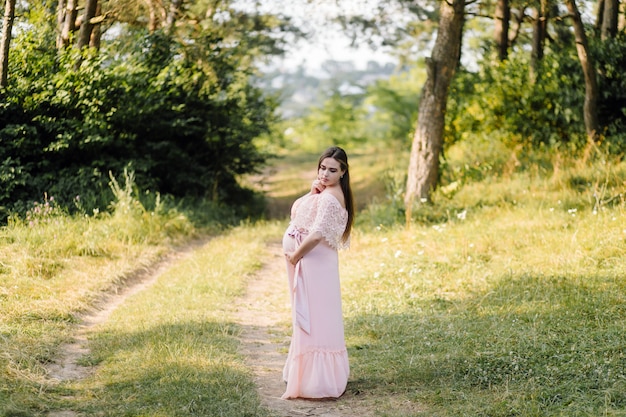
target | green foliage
x=393, y=105
x=477, y=158
x=501, y=101
x=610, y=58
x=183, y=115
x=387, y=210
x=337, y=122
x=379, y=112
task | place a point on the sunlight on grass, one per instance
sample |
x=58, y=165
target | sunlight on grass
x=174, y=345
x=53, y=267
x=509, y=304
x=505, y=297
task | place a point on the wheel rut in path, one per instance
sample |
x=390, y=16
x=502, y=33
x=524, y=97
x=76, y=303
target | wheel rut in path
x=264, y=316
x=66, y=366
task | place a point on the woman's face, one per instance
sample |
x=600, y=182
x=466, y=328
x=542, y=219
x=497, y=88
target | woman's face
x=329, y=172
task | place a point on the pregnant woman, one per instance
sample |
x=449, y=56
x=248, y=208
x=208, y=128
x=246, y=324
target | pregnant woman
x=317, y=364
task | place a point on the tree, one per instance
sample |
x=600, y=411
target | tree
x=87, y=25
x=163, y=103
x=590, y=108
x=423, y=171
x=609, y=19
x=66, y=20
x=540, y=31
x=502, y=20
x=172, y=16
x=7, y=27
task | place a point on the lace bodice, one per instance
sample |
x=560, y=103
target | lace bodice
x=321, y=213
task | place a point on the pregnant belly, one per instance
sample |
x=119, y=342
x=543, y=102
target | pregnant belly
x=289, y=243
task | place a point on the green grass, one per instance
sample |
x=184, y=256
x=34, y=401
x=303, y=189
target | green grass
x=169, y=350
x=512, y=314
x=505, y=300
x=53, y=267
x=172, y=349
x=506, y=297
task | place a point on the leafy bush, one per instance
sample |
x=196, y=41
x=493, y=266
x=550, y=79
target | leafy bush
x=610, y=56
x=183, y=123
x=501, y=101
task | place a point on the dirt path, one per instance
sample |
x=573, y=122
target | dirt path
x=66, y=366
x=264, y=314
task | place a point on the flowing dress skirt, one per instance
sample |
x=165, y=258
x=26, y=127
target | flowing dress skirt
x=317, y=364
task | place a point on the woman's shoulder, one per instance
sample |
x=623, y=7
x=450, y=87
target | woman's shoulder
x=334, y=196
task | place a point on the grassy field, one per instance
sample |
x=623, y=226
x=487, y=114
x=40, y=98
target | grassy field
x=501, y=311
x=506, y=297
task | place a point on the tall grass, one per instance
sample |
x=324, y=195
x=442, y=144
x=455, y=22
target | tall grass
x=505, y=298
x=53, y=266
x=172, y=349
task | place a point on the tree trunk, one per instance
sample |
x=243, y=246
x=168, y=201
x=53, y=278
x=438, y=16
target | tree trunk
x=153, y=19
x=7, y=27
x=69, y=13
x=173, y=15
x=86, y=26
x=518, y=19
x=96, y=33
x=539, y=37
x=590, y=109
x=61, y=10
x=423, y=172
x=609, y=19
x=599, y=16
x=501, y=31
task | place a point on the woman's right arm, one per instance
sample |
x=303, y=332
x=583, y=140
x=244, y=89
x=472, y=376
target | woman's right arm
x=309, y=242
x=317, y=187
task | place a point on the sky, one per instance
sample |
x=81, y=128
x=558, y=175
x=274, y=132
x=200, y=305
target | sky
x=325, y=44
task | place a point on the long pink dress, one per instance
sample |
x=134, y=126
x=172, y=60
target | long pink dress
x=317, y=364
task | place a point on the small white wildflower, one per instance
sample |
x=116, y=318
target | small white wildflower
x=376, y=274
x=462, y=215
x=397, y=254
x=384, y=239
x=551, y=209
x=571, y=211
x=422, y=252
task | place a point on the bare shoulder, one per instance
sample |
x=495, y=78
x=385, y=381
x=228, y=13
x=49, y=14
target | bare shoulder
x=337, y=194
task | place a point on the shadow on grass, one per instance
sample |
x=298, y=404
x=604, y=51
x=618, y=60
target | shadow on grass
x=529, y=346
x=176, y=369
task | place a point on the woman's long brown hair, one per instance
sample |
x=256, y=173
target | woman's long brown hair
x=340, y=156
